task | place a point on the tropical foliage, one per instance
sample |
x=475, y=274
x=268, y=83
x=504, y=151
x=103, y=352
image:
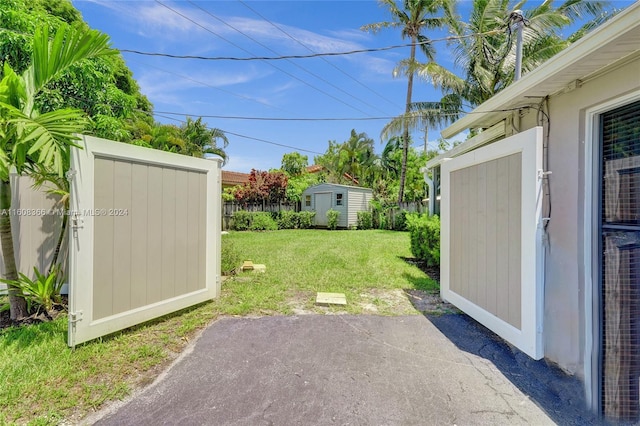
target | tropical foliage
x=484, y=54
x=31, y=138
x=412, y=17
x=102, y=87
x=268, y=187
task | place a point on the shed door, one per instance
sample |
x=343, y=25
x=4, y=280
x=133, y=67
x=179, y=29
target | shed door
x=145, y=237
x=323, y=205
x=491, y=233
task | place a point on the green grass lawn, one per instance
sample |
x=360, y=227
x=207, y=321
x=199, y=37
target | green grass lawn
x=44, y=382
x=302, y=262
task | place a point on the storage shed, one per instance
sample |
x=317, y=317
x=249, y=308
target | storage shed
x=348, y=200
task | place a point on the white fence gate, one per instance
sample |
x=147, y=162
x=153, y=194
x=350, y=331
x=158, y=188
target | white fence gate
x=491, y=250
x=145, y=236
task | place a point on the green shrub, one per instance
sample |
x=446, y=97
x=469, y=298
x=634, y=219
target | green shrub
x=43, y=291
x=365, y=220
x=332, y=218
x=400, y=221
x=242, y=220
x=305, y=219
x=383, y=219
x=231, y=258
x=263, y=221
x=288, y=219
x=424, y=231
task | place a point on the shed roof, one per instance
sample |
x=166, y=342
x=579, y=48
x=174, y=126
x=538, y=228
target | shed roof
x=612, y=44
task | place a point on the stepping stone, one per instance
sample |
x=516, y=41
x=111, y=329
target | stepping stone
x=331, y=299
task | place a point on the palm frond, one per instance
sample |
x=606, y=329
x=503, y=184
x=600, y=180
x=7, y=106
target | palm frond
x=50, y=59
x=47, y=137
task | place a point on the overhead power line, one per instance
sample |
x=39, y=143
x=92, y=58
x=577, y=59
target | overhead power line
x=324, y=80
x=325, y=60
x=239, y=117
x=269, y=63
x=227, y=132
x=312, y=55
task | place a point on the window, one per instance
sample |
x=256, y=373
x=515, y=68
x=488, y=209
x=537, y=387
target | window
x=620, y=254
x=307, y=200
x=339, y=199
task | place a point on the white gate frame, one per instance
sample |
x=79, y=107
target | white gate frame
x=82, y=326
x=529, y=338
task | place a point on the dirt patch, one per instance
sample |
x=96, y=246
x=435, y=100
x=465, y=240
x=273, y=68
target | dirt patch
x=36, y=318
x=430, y=303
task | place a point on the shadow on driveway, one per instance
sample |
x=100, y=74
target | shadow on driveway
x=561, y=396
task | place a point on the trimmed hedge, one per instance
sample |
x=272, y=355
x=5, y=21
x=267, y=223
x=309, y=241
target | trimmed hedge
x=305, y=219
x=332, y=218
x=264, y=221
x=365, y=220
x=424, y=231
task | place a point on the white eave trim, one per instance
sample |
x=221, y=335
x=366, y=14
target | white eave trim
x=608, y=32
x=494, y=132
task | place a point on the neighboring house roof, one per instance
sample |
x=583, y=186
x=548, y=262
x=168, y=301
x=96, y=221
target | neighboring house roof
x=315, y=168
x=337, y=185
x=615, y=41
x=318, y=168
x=234, y=178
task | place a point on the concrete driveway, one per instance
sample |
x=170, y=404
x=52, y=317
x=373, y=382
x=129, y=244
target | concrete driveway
x=353, y=370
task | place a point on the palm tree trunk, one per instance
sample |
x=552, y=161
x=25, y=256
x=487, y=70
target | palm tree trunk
x=405, y=136
x=63, y=231
x=17, y=304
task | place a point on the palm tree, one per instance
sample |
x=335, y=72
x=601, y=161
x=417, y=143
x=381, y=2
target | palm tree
x=201, y=140
x=356, y=155
x=31, y=139
x=487, y=60
x=412, y=17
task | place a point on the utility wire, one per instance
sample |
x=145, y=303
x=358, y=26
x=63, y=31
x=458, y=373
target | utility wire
x=238, y=117
x=314, y=55
x=279, y=28
x=269, y=63
x=227, y=132
x=291, y=62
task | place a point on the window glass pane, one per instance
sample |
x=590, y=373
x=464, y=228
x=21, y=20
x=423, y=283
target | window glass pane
x=621, y=165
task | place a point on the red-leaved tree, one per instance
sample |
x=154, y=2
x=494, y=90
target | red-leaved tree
x=269, y=187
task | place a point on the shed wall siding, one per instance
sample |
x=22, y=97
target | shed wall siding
x=358, y=201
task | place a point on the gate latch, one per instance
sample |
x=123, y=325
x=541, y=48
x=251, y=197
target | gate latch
x=74, y=317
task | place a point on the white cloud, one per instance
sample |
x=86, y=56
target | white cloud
x=152, y=19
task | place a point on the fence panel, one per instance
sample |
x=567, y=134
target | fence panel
x=36, y=219
x=145, y=236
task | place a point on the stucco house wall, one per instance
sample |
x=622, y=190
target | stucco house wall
x=564, y=311
x=566, y=97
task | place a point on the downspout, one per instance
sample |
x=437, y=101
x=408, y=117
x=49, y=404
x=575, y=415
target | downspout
x=432, y=190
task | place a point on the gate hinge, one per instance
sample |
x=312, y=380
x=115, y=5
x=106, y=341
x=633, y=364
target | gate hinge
x=76, y=221
x=74, y=317
x=542, y=174
x=71, y=173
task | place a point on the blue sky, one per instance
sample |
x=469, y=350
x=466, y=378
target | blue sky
x=351, y=86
